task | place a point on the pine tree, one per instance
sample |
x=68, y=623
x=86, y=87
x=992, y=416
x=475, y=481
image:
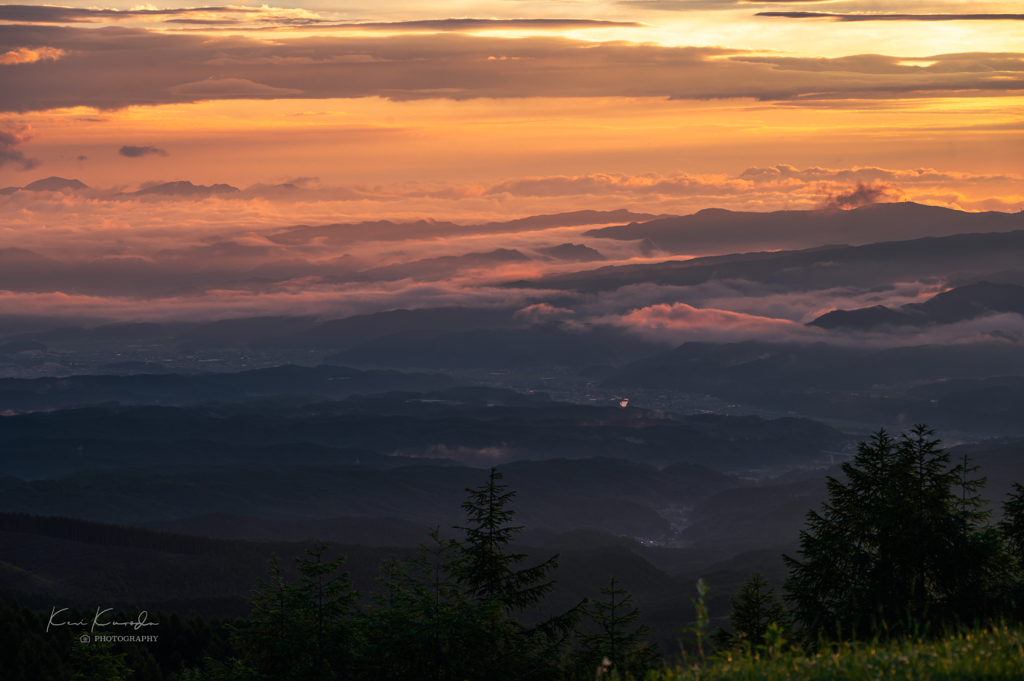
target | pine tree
x=267, y=645
x=94, y=660
x=489, y=570
x=755, y=609
x=901, y=545
x=623, y=645
x=1012, y=524
x=502, y=646
x=299, y=630
x=422, y=623
x=325, y=599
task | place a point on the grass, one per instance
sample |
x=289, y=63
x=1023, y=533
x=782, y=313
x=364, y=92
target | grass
x=996, y=653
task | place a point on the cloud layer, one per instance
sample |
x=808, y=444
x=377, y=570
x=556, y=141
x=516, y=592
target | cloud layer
x=130, y=151
x=113, y=68
x=26, y=55
x=10, y=138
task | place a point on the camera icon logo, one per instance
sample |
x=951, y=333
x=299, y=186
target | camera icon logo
x=85, y=639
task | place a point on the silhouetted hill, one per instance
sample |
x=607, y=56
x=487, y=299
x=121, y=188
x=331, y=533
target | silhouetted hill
x=444, y=266
x=609, y=494
x=247, y=331
x=752, y=366
x=351, y=331
x=851, y=384
x=350, y=530
x=385, y=230
x=14, y=257
x=956, y=305
x=50, y=184
x=417, y=426
x=876, y=264
x=12, y=347
x=537, y=346
x=131, y=566
x=573, y=253
x=35, y=458
x=185, y=188
x=19, y=394
x=864, y=318
x=715, y=230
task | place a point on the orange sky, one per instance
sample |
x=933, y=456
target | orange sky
x=493, y=110
x=695, y=87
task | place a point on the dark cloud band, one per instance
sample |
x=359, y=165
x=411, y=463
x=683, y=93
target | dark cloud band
x=130, y=151
x=34, y=14
x=483, y=24
x=834, y=16
x=116, y=67
x=48, y=14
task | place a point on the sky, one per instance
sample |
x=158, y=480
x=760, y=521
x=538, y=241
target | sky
x=473, y=112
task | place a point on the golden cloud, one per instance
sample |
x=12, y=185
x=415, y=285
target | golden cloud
x=28, y=55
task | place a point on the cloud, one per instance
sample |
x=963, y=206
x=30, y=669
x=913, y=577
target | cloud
x=467, y=24
x=230, y=88
x=116, y=67
x=289, y=300
x=28, y=55
x=464, y=213
x=697, y=5
x=680, y=323
x=862, y=195
x=10, y=138
x=542, y=313
x=274, y=17
x=130, y=151
x=836, y=16
x=49, y=14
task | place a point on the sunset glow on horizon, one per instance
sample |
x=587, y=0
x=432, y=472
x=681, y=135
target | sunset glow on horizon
x=483, y=112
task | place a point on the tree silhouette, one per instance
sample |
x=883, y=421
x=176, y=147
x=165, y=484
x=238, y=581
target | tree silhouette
x=618, y=641
x=489, y=571
x=900, y=546
x=755, y=608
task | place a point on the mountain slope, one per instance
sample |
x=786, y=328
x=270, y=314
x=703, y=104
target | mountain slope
x=714, y=230
x=955, y=305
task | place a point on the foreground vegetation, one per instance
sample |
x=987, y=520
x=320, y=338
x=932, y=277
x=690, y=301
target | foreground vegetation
x=996, y=653
x=903, y=553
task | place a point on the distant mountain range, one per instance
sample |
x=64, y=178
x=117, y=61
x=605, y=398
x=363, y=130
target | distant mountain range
x=50, y=184
x=715, y=230
x=538, y=346
x=184, y=188
x=573, y=253
x=21, y=394
x=385, y=230
x=961, y=256
x=180, y=188
x=956, y=305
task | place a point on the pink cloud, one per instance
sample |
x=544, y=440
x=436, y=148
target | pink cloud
x=28, y=55
x=680, y=323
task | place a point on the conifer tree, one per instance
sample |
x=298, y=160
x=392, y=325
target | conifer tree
x=500, y=590
x=1012, y=528
x=325, y=599
x=94, y=660
x=755, y=608
x=902, y=545
x=300, y=630
x=422, y=624
x=618, y=641
x=489, y=569
x=1012, y=524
